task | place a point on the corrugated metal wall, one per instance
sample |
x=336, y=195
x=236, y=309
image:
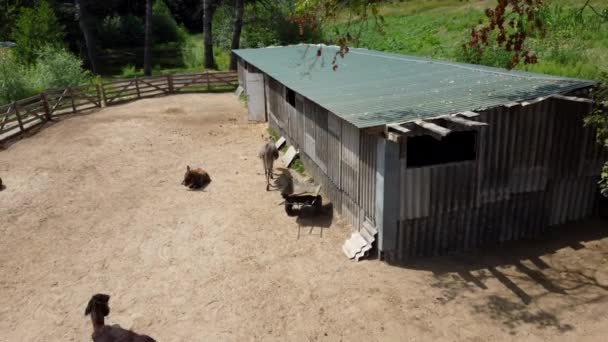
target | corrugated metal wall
x=335, y=153
x=536, y=166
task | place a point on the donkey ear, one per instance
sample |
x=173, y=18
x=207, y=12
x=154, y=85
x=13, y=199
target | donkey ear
x=188, y=168
x=89, y=307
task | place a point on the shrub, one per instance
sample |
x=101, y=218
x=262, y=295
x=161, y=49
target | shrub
x=13, y=83
x=35, y=28
x=57, y=68
x=192, y=52
x=130, y=71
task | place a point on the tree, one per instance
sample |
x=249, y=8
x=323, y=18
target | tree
x=9, y=9
x=86, y=24
x=36, y=28
x=598, y=119
x=236, y=32
x=208, y=9
x=148, y=40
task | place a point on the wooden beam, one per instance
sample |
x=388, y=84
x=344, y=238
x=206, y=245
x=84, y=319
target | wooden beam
x=394, y=137
x=533, y=101
x=434, y=129
x=399, y=128
x=463, y=121
x=572, y=98
x=469, y=114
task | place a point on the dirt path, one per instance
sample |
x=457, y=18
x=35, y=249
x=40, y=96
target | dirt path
x=94, y=204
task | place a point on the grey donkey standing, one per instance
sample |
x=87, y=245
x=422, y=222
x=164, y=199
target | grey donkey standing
x=269, y=153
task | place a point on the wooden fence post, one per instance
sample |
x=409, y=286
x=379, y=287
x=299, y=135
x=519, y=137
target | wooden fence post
x=208, y=83
x=103, y=93
x=45, y=104
x=71, y=93
x=137, y=87
x=97, y=87
x=170, y=83
x=18, y=116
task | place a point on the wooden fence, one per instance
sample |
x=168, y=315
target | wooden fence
x=19, y=116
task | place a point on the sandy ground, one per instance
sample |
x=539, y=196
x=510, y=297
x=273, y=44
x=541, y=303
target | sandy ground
x=94, y=204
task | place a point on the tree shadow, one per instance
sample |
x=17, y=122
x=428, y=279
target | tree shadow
x=513, y=315
x=561, y=265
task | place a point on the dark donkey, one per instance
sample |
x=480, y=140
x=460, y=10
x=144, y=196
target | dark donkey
x=98, y=308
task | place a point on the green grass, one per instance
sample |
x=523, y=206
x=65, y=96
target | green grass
x=574, y=46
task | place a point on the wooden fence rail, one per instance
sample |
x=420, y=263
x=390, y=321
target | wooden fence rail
x=19, y=116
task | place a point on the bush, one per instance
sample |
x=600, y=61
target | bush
x=164, y=26
x=13, y=83
x=192, y=52
x=35, y=28
x=57, y=68
x=130, y=71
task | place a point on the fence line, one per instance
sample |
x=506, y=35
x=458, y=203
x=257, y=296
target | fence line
x=19, y=116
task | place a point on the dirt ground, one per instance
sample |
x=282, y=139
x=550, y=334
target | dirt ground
x=94, y=204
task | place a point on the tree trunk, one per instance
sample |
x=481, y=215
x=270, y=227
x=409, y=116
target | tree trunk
x=236, y=32
x=148, y=40
x=84, y=21
x=209, y=62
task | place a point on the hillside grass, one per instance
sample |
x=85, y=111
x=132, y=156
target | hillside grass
x=575, y=45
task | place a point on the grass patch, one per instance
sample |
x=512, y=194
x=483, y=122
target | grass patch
x=297, y=164
x=575, y=45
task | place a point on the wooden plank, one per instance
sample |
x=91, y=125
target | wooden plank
x=434, y=129
x=280, y=142
x=572, y=98
x=469, y=114
x=533, y=101
x=6, y=116
x=208, y=84
x=289, y=156
x=399, y=128
x=463, y=122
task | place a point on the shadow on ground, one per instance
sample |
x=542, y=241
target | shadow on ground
x=544, y=278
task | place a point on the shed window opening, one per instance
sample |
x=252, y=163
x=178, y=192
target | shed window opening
x=290, y=96
x=455, y=147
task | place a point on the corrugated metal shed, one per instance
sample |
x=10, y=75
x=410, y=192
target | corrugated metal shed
x=372, y=88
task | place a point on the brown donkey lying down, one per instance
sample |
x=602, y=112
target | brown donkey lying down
x=98, y=308
x=196, y=178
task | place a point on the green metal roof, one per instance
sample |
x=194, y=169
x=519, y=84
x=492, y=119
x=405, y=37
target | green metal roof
x=372, y=88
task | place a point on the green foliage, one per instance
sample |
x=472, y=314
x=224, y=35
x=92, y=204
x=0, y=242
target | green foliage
x=121, y=31
x=164, y=26
x=298, y=166
x=130, y=71
x=13, y=85
x=35, y=28
x=192, y=54
x=54, y=68
x=57, y=68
